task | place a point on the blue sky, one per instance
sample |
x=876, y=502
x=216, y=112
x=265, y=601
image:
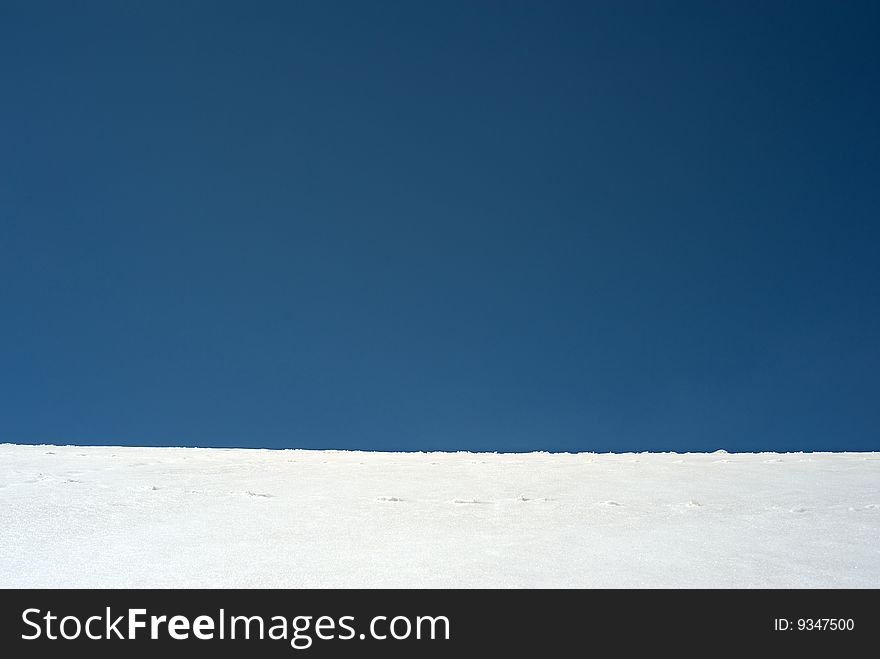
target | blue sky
x=441, y=226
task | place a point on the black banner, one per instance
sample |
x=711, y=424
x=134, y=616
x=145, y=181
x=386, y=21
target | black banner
x=429, y=622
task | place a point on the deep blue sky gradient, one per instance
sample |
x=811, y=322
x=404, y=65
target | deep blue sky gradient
x=441, y=225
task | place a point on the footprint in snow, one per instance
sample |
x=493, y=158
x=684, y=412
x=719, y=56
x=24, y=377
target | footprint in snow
x=798, y=510
x=523, y=497
x=259, y=495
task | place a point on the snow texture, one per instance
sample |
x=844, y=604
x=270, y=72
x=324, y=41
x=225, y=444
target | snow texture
x=75, y=516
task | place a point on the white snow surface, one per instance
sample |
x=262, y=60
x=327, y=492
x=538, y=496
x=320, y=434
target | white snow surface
x=73, y=516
